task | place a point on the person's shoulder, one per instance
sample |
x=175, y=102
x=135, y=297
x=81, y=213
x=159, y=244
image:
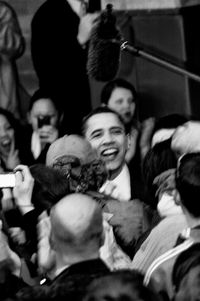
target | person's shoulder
x=46, y=9
x=50, y=6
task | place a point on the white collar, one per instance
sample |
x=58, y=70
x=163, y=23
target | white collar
x=122, y=185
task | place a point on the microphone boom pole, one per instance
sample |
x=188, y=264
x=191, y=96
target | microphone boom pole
x=125, y=46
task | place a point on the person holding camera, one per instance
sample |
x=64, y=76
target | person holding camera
x=43, y=118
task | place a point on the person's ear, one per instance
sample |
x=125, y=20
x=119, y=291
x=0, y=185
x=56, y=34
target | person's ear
x=177, y=197
x=60, y=118
x=128, y=138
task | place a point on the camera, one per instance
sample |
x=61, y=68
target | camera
x=7, y=180
x=43, y=120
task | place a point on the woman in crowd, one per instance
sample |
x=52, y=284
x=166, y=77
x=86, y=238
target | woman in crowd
x=121, y=96
x=11, y=144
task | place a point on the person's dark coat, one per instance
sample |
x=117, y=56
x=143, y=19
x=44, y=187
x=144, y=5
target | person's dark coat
x=60, y=61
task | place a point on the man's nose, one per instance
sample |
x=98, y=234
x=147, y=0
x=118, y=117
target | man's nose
x=108, y=137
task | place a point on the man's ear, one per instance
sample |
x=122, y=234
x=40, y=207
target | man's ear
x=177, y=197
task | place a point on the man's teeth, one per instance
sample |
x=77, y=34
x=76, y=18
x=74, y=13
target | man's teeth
x=109, y=152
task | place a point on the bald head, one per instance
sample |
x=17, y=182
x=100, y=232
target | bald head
x=76, y=221
x=186, y=138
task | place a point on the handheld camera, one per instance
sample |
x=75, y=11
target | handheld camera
x=43, y=120
x=7, y=180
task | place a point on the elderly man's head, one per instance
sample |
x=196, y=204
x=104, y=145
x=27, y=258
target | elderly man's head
x=74, y=156
x=76, y=226
x=186, y=138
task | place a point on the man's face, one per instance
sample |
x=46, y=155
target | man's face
x=107, y=135
x=121, y=101
x=43, y=107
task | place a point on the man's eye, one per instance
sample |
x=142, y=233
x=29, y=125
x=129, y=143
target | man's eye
x=96, y=135
x=117, y=131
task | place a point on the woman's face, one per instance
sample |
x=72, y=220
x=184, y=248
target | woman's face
x=6, y=135
x=122, y=101
x=43, y=107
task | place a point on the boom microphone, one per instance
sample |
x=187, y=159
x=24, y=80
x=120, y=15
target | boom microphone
x=105, y=48
x=104, y=55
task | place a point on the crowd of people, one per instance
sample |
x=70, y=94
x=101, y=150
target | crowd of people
x=107, y=208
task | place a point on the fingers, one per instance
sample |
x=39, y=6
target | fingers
x=12, y=147
x=22, y=172
x=108, y=189
x=44, y=226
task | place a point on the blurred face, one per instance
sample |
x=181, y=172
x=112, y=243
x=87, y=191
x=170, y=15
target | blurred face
x=43, y=107
x=161, y=135
x=7, y=135
x=107, y=136
x=122, y=101
x=186, y=138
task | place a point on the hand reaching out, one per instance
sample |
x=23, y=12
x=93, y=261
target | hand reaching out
x=9, y=260
x=87, y=22
x=46, y=256
x=165, y=182
x=23, y=189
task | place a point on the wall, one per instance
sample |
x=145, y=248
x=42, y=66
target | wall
x=171, y=35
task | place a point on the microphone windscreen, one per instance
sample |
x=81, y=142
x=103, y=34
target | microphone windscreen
x=104, y=54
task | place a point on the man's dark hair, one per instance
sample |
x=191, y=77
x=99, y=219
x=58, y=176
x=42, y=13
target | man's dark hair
x=123, y=285
x=50, y=186
x=157, y=160
x=117, y=83
x=100, y=110
x=187, y=260
x=188, y=182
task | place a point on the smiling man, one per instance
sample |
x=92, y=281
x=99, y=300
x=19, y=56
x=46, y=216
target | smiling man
x=105, y=130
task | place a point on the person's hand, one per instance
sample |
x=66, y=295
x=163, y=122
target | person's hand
x=9, y=260
x=22, y=192
x=165, y=182
x=46, y=256
x=12, y=160
x=87, y=22
x=127, y=219
x=48, y=134
x=110, y=189
x=17, y=235
x=145, y=137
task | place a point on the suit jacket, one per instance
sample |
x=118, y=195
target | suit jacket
x=69, y=285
